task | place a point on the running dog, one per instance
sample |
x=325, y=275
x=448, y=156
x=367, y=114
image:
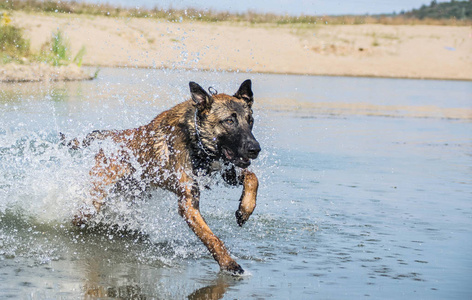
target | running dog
x=208, y=133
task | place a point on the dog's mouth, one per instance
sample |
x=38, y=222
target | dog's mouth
x=239, y=161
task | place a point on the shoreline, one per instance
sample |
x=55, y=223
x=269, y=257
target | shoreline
x=40, y=72
x=426, y=52
x=57, y=75
x=275, y=73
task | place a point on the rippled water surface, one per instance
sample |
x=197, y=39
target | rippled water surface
x=365, y=192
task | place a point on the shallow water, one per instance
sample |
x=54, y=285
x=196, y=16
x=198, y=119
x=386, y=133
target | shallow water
x=365, y=193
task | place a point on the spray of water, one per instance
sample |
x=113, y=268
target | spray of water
x=43, y=183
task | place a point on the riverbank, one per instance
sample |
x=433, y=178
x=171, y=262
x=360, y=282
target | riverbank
x=374, y=50
x=41, y=72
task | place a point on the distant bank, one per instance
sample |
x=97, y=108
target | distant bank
x=377, y=50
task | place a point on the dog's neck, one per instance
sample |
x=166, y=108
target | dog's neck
x=197, y=134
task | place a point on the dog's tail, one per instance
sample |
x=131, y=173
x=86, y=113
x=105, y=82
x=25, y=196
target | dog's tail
x=75, y=144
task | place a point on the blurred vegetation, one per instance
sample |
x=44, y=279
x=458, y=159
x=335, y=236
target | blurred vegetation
x=451, y=13
x=15, y=48
x=55, y=51
x=459, y=10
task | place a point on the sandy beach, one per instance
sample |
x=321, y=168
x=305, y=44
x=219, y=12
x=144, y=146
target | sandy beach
x=42, y=72
x=404, y=51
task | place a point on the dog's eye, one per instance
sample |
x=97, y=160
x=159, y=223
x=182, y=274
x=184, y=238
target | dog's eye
x=229, y=121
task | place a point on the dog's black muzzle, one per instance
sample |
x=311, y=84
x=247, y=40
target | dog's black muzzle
x=242, y=155
x=252, y=149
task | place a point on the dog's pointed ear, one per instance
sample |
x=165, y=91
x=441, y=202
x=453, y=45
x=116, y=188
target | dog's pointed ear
x=245, y=92
x=200, y=96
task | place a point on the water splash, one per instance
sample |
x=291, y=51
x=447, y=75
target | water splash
x=43, y=184
x=38, y=177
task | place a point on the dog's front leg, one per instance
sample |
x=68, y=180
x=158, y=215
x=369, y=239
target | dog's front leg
x=189, y=209
x=247, y=203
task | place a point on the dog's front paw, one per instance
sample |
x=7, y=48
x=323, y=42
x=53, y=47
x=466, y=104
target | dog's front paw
x=241, y=218
x=233, y=268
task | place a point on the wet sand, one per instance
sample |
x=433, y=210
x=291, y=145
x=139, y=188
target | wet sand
x=420, y=51
x=42, y=72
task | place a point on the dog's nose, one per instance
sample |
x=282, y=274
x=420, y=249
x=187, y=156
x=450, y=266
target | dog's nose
x=253, y=148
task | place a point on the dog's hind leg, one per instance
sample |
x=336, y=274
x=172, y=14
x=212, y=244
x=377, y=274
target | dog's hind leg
x=189, y=209
x=105, y=174
x=247, y=203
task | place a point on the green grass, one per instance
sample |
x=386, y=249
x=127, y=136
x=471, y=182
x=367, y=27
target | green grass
x=79, y=57
x=13, y=47
x=55, y=51
x=95, y=75
x=59, y=49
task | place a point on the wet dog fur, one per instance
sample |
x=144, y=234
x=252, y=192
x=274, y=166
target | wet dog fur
x=206, y=134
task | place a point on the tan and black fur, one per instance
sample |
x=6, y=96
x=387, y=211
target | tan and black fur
x=178, y=146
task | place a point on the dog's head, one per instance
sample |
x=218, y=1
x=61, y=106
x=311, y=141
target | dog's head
x=223, y=124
